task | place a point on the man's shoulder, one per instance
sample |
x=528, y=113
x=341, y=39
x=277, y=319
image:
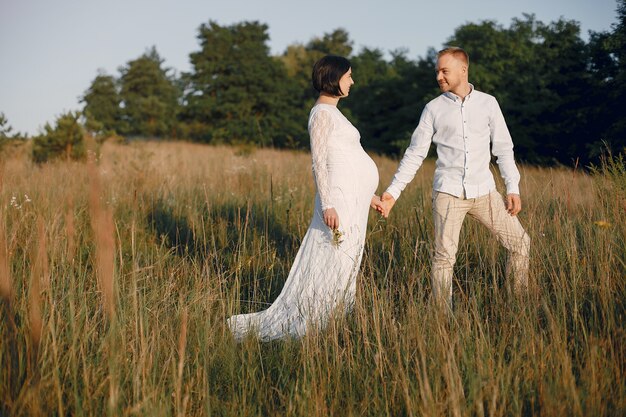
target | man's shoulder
x=437, y=99
x=482, y=96
x=435, y=103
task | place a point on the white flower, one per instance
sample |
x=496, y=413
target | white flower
x=14, y=203
x=337, y=237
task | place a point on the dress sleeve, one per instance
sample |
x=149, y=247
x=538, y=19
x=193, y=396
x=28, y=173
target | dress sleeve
x=320, y=128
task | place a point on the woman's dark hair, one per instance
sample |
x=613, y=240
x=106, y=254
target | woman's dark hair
x=327, y=72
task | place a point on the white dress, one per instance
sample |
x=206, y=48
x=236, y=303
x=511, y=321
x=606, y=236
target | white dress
x=322, y=279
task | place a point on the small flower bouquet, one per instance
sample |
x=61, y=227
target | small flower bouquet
x=337, y=237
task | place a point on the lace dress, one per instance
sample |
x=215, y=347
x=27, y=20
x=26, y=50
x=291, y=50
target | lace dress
x=322, y=279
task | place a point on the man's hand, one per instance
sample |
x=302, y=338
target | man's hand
x=387, y=202
x=331, y=218
x=513, y=204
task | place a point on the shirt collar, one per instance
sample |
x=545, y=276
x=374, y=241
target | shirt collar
x=455, y=98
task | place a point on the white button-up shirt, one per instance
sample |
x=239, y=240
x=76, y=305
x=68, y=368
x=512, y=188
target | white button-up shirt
x=463, y=131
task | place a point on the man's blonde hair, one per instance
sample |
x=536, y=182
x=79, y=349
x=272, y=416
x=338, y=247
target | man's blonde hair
x=455, y=51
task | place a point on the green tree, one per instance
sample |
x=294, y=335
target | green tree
x=388, y=97
x=563, y=129
x=336, y=42
x=65, y=140
x=149, y=97
x=608, y=68
x=369, y=66
x=5, y=130
x=504, y=63
x=538, y=72
x=237, y=92
x=299, y=60
x=102, y=110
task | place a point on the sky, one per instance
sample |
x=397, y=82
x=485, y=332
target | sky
x=50, y=51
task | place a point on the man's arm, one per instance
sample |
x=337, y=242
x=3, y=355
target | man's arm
x=411, y=161
x=414, y=155
x=502, y=149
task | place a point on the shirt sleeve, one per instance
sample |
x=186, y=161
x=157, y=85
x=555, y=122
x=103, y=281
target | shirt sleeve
x=320, y=128
x=414, y=154
x=502, y=149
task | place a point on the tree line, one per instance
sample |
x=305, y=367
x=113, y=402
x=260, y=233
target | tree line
x=561, y=95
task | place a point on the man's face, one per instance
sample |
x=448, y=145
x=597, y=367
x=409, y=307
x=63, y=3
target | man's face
x=451, y=73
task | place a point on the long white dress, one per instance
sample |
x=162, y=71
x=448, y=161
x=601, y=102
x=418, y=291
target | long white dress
x=322, y=279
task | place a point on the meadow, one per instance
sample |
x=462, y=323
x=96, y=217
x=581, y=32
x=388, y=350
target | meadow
x=117, y=275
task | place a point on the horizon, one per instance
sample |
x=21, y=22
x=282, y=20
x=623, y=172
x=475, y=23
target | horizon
x=58, y=52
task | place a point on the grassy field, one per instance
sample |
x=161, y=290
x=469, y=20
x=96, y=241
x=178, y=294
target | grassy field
x=116, y=280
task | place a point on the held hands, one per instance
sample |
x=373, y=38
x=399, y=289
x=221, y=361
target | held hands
x=383, y=204
x=386, y=204
x=378, y=205
x=513, y=204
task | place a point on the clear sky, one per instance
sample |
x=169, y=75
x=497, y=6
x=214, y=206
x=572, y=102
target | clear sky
x=51, y=50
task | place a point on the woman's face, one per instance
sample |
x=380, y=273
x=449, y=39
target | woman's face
x=345, y=82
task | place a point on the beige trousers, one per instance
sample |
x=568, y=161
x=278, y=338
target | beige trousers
x=449, y=212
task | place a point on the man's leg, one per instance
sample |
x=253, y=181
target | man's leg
x=490, y=210
x=448, y=215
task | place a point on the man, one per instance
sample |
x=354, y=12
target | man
x=464, y=123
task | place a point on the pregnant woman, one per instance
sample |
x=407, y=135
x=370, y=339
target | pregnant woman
x=322, y=280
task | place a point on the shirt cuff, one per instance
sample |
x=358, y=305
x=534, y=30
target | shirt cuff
x=512, y=189
x=394, y=191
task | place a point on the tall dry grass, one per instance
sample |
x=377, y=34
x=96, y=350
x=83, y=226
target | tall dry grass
x=122, y=290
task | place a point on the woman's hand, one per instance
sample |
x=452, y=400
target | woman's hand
x=376, y=203
x=331, y=218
